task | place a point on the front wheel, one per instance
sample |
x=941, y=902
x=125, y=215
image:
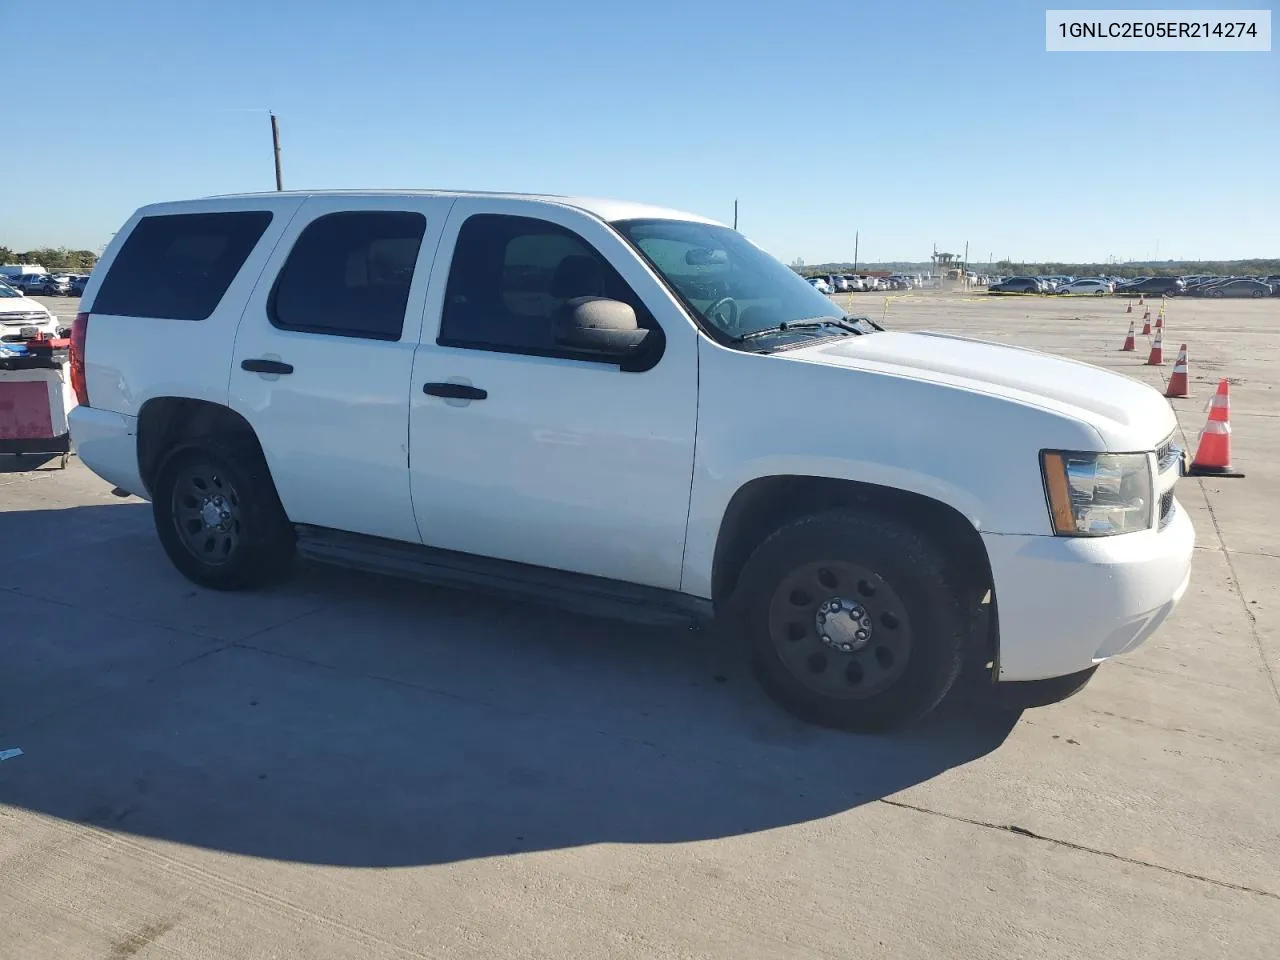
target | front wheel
x=852, y=620
x=219, y=519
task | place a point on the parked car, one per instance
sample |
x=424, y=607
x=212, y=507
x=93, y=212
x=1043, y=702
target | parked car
x=855, y=283
x=838, y=283
x=821, y=285
x=1154, y=286
x=1240, y=288
x=1018, y=285
x=36, y=284
x=21, y=319
x=77, y=285
x=1089, y=285
x=677, y=487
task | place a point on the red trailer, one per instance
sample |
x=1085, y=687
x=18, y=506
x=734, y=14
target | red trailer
x=35, y=398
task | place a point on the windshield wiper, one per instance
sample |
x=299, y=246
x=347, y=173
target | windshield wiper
x=808, y=323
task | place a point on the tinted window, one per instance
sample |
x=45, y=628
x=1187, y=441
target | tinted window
x=509, y=277
x=349, y=274
x=179, y=266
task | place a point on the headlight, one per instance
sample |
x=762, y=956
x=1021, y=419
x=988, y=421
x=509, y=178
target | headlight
x=1098, y=494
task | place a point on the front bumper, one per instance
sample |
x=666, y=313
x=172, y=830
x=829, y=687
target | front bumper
x=1066, y=604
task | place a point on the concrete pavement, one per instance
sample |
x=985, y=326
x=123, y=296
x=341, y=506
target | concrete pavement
x=347, y=766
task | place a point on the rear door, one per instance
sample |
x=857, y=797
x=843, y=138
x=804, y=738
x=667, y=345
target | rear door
x=324, y=354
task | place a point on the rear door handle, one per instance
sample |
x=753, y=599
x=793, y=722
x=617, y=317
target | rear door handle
x=266, y=366
x=454, y=391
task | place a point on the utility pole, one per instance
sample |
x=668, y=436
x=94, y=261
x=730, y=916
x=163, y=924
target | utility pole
x=855, y=251
x=275, y=142
x=965, y=268
x=735, y=213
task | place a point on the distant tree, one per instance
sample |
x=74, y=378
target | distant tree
x=7, y=255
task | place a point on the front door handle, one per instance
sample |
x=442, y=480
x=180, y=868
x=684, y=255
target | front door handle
x=454, y=391
x=266, y=366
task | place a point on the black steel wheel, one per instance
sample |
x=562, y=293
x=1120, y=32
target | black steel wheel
x=840, y=629
x=853, y=620
x=219, y=518
x=206, y=512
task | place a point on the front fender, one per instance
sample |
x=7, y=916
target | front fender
x=771, y=415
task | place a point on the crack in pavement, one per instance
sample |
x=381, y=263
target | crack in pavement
x=1239, y=592
x=165, y=671
x=1032, y=835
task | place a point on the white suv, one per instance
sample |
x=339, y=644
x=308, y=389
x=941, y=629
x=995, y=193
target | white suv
x=625, y=410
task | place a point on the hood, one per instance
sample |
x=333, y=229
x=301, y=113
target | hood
x=1126, y=414
x=22, y=308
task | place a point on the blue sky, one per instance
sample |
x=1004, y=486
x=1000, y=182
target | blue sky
x=913, y=123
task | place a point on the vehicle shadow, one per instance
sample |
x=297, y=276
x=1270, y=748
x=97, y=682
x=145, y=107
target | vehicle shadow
x=29, y=462
x=360, y=721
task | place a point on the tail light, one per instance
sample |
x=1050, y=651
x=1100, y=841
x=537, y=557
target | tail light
x=79, y=332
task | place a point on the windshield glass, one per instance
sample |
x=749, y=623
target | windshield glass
x=733, y=285
x=8, y=291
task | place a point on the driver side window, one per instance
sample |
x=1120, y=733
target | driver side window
x=511, y=275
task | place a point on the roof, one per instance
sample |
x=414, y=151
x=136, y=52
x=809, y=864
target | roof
x=605, y=209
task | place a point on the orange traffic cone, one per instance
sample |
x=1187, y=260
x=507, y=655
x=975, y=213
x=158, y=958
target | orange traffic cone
x=1146, y=314
x=1128, y=341
x=1156, y=359
x=1178, y=379
x=1128, y=307
x=1146, y=328
x=1160, y=319
x=1213, y=452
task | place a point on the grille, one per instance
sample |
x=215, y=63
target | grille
x=1166, y=507
x=1167, y=455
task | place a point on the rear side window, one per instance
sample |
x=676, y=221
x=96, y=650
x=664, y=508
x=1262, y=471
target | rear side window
x=349, y=275
x=178, y=266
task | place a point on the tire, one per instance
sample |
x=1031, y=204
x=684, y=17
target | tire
x=1257, y=293
x=253, y=542
x=890, y=582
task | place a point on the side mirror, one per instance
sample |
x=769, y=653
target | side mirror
x=598, y=325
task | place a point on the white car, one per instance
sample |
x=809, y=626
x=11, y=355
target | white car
x=821, y=285
x=630, y=410
x=1098, y=288
x=21, y=318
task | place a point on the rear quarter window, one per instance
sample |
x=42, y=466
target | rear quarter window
x=179, y=266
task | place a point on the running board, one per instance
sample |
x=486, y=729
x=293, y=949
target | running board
x=559, y=589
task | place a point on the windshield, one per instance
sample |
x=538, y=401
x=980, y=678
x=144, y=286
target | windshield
x=734, y=286
x=8, y=291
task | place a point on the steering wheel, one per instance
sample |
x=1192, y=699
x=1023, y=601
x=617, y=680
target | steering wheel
x=731, y=321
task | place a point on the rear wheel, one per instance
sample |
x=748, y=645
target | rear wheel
x=218, y=516
x=852, y=620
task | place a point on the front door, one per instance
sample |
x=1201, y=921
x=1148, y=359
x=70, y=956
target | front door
x=564, y=462
x=324, y=354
